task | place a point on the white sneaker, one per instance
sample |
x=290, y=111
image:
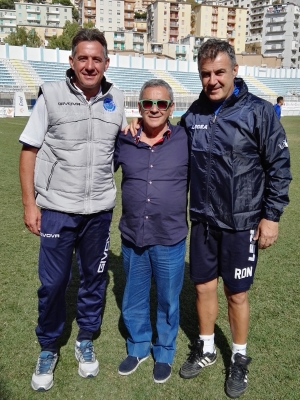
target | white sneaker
x=84, y=353
x=42, y=378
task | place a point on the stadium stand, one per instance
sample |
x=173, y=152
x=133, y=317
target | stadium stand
x=27, y=76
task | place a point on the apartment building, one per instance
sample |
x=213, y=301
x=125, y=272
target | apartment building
x=7, y=23
x=227, y=23
x=255, y=15
x=129, y=6
x=46, y=19
x=35, y=14
x=87, y=11
x=281, y=33
x=126, y=41
x=168, y=21
x=109, y=15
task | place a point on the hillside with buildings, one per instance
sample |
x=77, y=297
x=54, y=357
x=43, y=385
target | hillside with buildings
x=262, y=32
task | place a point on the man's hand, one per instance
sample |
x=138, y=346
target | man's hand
x=133, y=127
x=32, y=219
x=266, y=233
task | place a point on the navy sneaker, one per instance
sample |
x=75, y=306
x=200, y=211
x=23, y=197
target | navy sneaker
x=42, y=378
x=130, y=364
x=85, y=355
x=161, y=372
x=236, y=383
x=197, y=360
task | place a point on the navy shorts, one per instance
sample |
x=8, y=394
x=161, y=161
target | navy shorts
x=218, y=252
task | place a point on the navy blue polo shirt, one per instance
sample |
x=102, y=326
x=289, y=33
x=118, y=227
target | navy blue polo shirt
x=154, y=188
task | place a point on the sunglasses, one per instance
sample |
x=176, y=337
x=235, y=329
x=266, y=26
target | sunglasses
x=162, y=105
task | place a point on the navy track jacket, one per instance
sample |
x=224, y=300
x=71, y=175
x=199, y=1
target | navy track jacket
x=240, y=162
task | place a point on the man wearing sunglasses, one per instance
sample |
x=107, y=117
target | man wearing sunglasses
x=153, y=228
x=240, y=174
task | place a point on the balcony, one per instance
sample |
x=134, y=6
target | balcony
x=89, y=15
x=296, y=22
x=33, y=18
x=138, y=39
x=119, y=39
x=156, y=49
x=180, y=52
x=174, y=32
x=49, y=33
x=276, y=21
x=275, y=38
x=214, y=11
x=138, y=48
x=8, y=16
x=231, y=35
x=172, y=8
x=173, y=16
x=274, y=31
x=52, y=19
x=53, y=12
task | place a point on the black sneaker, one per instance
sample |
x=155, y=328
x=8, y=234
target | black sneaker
x=130, y=364
x=236, y=383
x=197, y=360
x=161, y=372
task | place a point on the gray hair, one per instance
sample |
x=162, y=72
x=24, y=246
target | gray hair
x=212, y=47
x=89, y=35
x=157, y=83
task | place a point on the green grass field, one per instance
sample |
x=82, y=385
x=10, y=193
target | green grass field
x=274, y=327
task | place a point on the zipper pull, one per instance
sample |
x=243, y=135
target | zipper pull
x=214, y=118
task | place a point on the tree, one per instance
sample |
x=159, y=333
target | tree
x=33, y=39
x=89, y=25
x=64, y=41
x=7, y=4
x=21, y=37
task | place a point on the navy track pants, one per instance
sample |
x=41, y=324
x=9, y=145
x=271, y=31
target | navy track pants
x=60, y=234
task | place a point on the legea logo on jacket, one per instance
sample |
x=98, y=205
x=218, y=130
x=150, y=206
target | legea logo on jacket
x=199, y=126
x=283, y=144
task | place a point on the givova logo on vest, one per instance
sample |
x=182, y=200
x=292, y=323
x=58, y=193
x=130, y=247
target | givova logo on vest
x=104, y=258
x=50, y=235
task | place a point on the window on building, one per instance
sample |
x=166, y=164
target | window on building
x=66, y=17
x=101, y=19
x=101, y=11
x=11, y=29
x=118, y=3
x=29, y=15
x=110, y=3
x=183, y=15
x=56, y=9
x=118, y=12
x=110, y=12
x=110, y=20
